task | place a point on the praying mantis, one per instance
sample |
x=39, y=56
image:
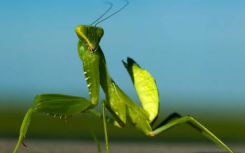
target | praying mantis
x=117, y=102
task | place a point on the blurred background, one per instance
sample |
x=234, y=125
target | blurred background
x=194, y=49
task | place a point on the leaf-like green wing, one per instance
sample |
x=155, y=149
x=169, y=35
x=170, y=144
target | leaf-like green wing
x=145, y=86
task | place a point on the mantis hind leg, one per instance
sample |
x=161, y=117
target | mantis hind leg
x=171, y=121
x=24, y=128
x=175, y=116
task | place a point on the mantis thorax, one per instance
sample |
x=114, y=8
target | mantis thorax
x=90, y=36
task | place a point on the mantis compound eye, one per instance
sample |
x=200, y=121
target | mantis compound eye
x=90, y=49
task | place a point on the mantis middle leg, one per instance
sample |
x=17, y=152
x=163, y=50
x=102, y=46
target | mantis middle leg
x=63, y=106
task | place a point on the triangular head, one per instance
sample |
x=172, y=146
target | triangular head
x=90, y=35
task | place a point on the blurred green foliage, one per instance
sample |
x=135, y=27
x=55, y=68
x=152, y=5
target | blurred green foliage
x=48, y=127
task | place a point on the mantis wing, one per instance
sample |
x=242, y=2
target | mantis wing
x=146, y=88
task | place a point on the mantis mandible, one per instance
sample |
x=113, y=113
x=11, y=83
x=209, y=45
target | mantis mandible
x=117, y=102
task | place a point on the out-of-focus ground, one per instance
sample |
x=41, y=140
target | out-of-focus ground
x=58, y=146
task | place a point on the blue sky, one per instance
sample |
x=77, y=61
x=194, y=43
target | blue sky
x=194, y=49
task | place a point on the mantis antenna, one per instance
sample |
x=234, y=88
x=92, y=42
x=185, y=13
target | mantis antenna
x=113, y=13
x=104, y=13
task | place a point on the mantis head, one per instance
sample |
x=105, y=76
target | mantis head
x=90, y=36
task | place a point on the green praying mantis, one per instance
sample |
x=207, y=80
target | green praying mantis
x=117, y=102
